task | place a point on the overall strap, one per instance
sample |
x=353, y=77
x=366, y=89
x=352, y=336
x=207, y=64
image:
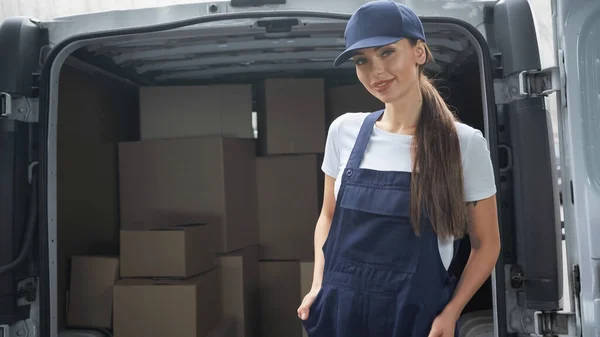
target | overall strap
x=362, y=140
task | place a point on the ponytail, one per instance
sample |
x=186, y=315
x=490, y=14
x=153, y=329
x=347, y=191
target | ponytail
x=437, y=179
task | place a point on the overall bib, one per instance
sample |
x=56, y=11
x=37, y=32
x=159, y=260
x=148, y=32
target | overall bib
x=380, y=279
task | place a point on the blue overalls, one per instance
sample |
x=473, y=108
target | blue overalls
x=380, y=279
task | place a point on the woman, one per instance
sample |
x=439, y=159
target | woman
x=386, y=236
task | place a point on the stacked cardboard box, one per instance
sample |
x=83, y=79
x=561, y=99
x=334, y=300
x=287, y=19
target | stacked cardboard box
x=239, y=290
x=283, y=285
x=168, y=275
x=287, y=206
x=155, y=307
x=291, y=142
x=145, y=306
x=350, y=98
x=90, y=301
x=212, y=220
x=191, y=111
x=207, y=179
x=188, y=192
x=171, y=251
x=291, y=116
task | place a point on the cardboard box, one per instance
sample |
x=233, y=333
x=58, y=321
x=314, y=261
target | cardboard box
x=90, y=295
x=291, y=116
x=281, y=289
x=174, y=251
x=193, y=180
x=189, y=111
x=288, y=206
x=240, y=291
x=350, y=98
x=159, y=308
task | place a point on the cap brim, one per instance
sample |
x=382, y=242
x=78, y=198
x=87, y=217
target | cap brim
x=371, y=42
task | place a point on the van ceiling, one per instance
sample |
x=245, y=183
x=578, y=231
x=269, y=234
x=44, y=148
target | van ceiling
x=239, y=49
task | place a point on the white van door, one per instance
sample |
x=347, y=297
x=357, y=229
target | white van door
x=20, y=42
x=528, y=277
x=577, y=40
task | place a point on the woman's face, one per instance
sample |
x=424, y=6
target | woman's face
x=391, y=71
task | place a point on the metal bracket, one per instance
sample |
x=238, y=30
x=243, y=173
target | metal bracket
x=3, y=330
x=5, y=108
x=518, y=278
x=22, y=109
x=555, y=324
x=527, y=84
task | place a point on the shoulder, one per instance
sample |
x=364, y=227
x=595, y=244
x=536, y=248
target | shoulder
x=469, y=137
x=347, y=125
x=466, y=132
x=340, y=139
x=350, y=119
x=478, y=171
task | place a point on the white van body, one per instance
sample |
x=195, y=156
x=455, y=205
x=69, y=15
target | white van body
x=221, y=41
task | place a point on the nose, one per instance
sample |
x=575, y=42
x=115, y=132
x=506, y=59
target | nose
x=377, y=68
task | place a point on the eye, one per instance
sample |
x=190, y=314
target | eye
x=359, y=60
x=387, y=52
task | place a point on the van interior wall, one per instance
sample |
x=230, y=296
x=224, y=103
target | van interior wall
x=94, y=113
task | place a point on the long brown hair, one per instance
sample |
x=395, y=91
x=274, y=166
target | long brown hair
x=437, y=179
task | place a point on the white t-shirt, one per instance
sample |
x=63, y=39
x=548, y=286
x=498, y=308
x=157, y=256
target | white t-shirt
x=477, y=165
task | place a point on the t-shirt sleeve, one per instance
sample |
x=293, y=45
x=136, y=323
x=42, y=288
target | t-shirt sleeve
x=331, y=157
x=478, y=170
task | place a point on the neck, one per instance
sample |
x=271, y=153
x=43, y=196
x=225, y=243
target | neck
x=402, y=116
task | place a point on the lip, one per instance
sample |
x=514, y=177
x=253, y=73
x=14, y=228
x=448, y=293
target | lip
x=381, y=86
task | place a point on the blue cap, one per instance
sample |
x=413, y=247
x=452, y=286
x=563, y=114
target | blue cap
x=379, y=23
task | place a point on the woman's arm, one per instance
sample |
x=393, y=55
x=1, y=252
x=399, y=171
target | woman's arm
x=321, y=233
x=485, y=249
x=322, y=230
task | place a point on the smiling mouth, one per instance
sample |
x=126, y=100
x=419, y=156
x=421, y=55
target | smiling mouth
x=382, y=85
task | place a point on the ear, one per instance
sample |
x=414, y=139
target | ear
x=420, y=53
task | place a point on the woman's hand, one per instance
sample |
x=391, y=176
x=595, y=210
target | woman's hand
x=304, y=309
x=443, y=326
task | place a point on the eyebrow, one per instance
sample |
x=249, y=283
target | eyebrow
x=361, y=53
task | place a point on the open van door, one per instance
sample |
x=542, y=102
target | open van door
x=20, y=42
x=529, y=275
x=577, y=39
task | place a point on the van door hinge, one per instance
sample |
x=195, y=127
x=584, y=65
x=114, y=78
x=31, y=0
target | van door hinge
x=24, y=109
x=527, y=84
x=561, y=324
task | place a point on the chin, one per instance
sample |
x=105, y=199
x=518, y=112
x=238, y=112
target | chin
x=387, y=97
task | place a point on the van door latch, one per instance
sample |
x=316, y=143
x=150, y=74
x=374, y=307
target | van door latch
x=563, y=324
x=527, y=84
x=22, y=109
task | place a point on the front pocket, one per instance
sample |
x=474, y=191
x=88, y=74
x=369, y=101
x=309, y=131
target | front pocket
x=377, y=200
x=321, y=321
x=376, y=228
x=408, y=320
x=423, y=322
